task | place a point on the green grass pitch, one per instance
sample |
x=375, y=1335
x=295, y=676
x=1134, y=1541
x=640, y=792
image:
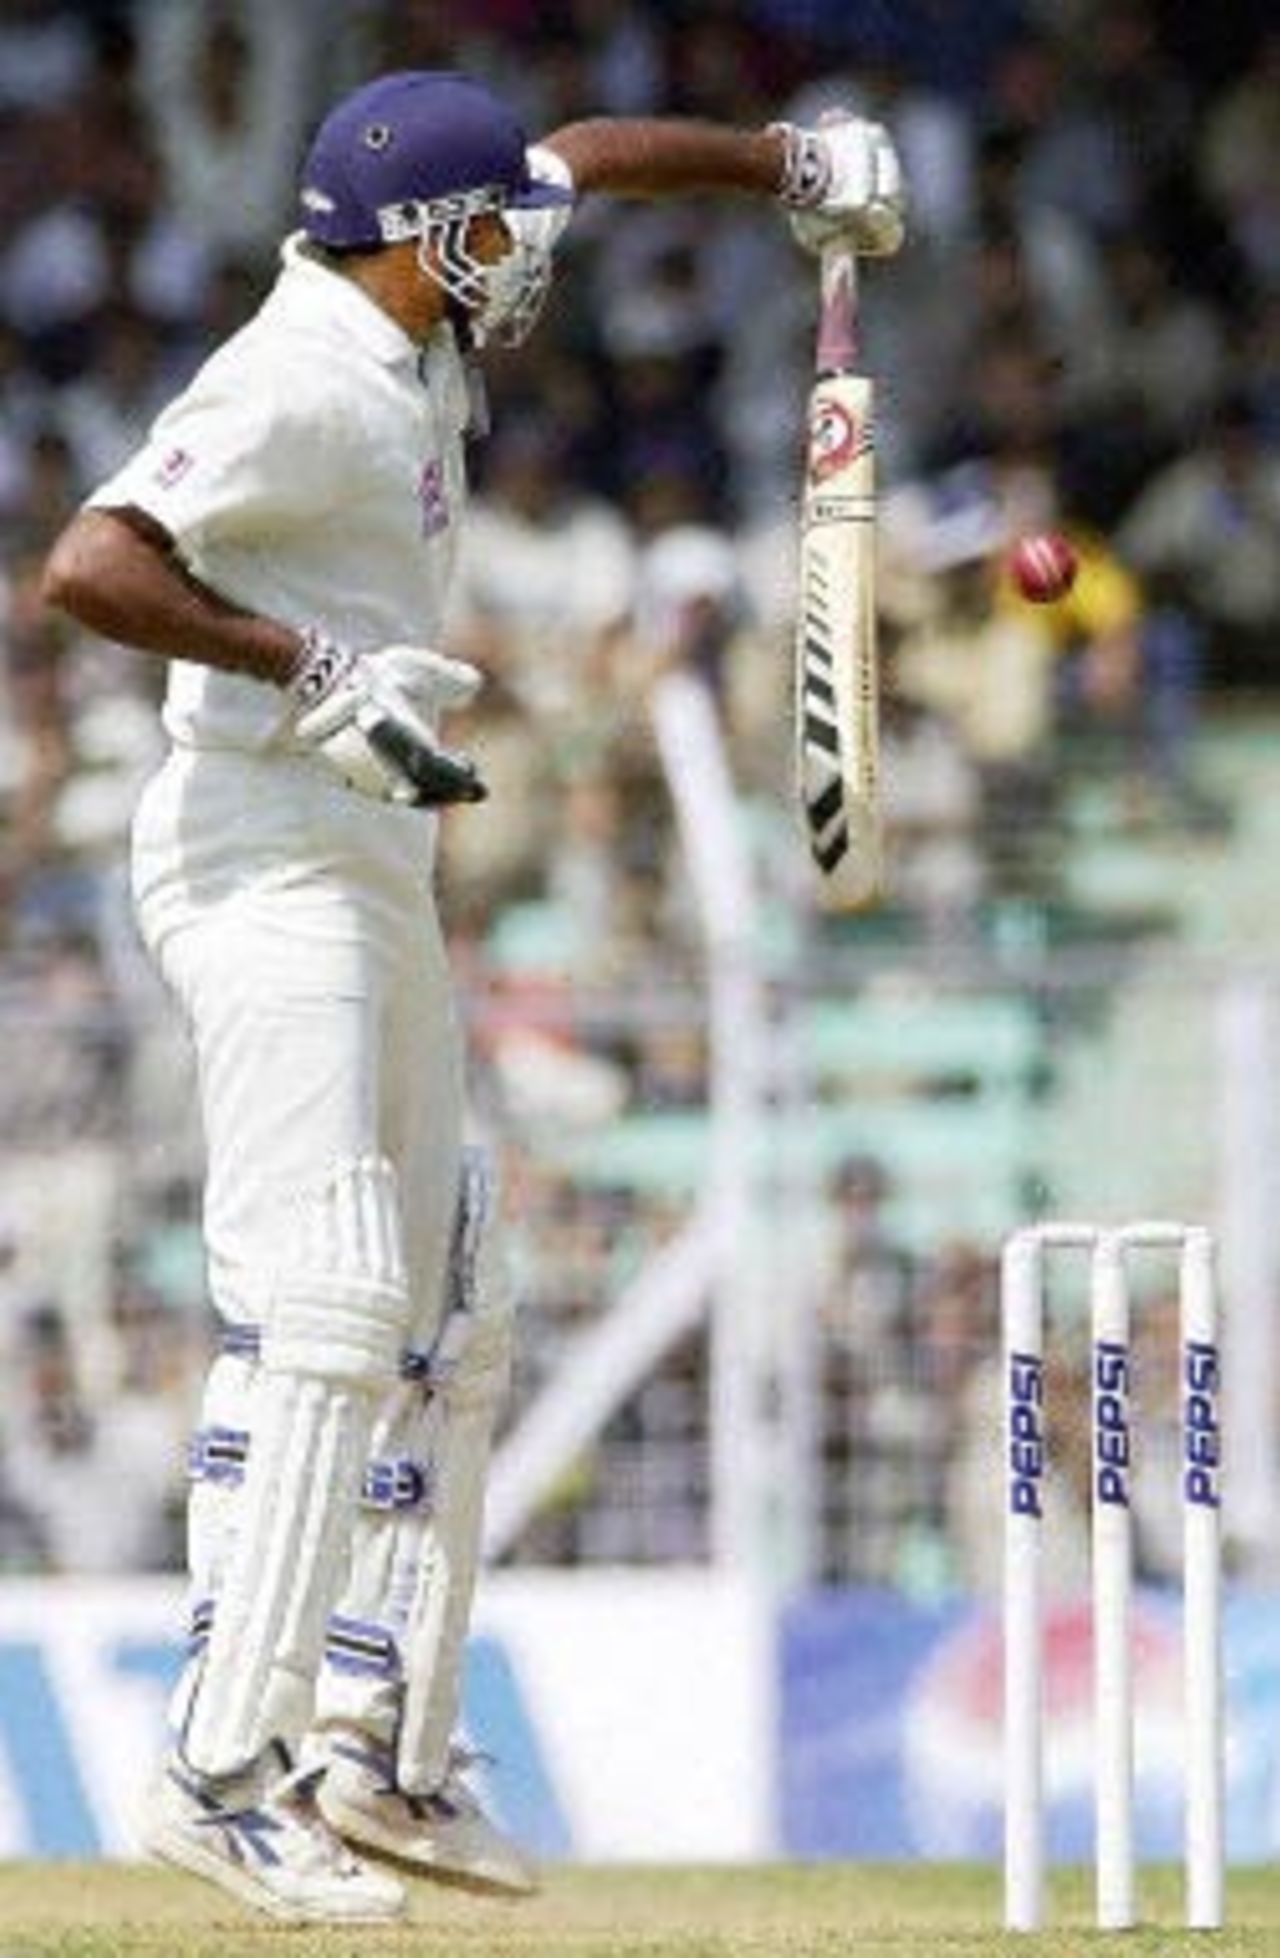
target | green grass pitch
x=104, y=1910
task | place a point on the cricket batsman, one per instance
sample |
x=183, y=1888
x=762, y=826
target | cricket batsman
x=284, y=538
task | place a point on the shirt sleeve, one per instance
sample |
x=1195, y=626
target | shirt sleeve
x=240, y=458
x=551, y=220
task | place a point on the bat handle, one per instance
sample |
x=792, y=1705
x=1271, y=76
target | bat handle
x=837, y=349
x=838, y=311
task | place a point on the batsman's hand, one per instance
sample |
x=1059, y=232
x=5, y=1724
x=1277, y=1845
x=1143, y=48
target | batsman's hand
x=843, y=184
x=370, y=717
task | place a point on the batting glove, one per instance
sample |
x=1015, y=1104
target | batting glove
x=842, y=183
x=370, y=718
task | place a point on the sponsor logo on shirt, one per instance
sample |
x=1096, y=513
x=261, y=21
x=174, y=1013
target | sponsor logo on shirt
x=173, y=467
x=433, y=500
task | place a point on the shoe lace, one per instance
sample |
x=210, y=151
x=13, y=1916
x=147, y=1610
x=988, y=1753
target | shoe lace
x=376, y=1759
x=296, y=1793
x=452, y=1797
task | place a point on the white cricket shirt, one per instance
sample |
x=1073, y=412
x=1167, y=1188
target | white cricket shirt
x=313, y=472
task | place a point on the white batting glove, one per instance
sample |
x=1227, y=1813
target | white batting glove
x=370, y=717
x=842, y=182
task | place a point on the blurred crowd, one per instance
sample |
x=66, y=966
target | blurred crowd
x=1083, y=333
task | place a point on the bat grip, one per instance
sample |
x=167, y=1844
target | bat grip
x=838, y=311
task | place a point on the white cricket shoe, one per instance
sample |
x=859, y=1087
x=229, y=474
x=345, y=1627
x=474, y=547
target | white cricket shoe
x=262, y=1837
x=445, y=1835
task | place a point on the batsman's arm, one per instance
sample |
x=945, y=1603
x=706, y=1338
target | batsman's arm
x=367, y=717
x=656, y=156
x=117, y=572
x=847, y=172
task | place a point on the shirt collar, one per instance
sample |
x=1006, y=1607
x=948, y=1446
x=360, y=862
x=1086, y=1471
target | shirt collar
x=323, y=294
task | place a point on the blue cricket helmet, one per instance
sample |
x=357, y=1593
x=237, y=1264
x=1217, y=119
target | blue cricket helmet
x=415, y=138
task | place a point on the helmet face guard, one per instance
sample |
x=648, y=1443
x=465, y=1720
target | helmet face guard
x=503, y=297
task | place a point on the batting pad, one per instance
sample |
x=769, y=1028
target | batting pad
x=330, y=1348
x=413, y=1567
x=264, y=1646
x=217, y=1460
x=340, y=1300
x=469, y=1401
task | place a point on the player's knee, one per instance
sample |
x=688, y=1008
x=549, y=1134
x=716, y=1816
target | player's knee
x=340, y=1302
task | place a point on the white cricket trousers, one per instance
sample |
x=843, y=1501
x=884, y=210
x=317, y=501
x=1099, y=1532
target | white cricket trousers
x=295, y=923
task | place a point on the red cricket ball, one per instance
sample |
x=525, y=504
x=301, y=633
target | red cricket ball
x=1043, y=568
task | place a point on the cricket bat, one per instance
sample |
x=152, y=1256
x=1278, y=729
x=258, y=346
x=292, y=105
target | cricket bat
x=837, y=732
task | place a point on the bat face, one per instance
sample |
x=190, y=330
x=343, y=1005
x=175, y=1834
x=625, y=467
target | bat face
x=837, y=732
